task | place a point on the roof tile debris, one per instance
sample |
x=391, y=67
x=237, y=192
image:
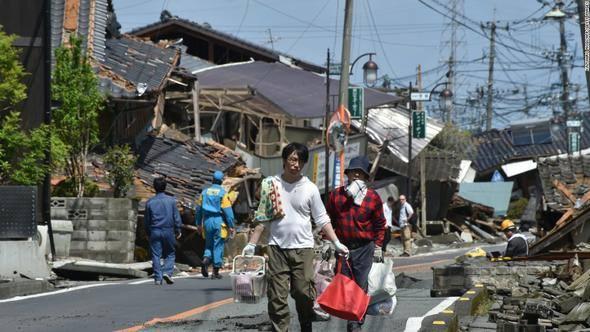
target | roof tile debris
x=188, y=167
x=572, y=171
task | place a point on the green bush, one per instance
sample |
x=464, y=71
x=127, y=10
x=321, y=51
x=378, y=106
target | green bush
x=119, y=161
x=516, y=208
x=66, y=188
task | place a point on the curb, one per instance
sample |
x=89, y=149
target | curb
x=23, y=287
x=448, y=319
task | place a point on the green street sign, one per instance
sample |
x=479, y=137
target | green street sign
x=418, y=124
x=574, y=141
x=356, y=102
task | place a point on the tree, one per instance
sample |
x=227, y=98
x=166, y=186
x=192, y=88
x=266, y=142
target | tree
x=21, y=152
x=119, y=161
x=74, y=122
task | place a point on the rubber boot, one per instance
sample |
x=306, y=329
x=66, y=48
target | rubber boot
x=205, y=267
x=216, y=274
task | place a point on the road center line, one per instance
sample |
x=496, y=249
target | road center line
x=179, y=316
x=61, y=291
x=413, y=324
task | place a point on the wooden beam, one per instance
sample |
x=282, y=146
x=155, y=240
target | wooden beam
x=564, y=190
x=196, y=115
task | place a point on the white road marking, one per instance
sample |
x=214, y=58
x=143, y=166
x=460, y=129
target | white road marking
x=413, y=324
x=141, y=282
x=61, y=291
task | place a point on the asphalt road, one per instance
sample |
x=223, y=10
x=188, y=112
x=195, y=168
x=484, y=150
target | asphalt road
x=120, y=305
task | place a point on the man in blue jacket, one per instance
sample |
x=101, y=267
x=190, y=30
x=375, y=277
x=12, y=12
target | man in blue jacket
x=214, y=211
x=162, y=223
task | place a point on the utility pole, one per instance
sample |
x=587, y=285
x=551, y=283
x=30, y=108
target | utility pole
x=561, y=60
x=344, y=76
x=327, y=141
x=409, y=179
x=422, y=163
x=489, y=104
x=582, y=15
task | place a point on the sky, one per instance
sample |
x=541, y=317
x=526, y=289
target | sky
x=405, y=34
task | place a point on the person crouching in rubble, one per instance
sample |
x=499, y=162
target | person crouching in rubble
x=288, y=202
x=214, y=211
x=517, y=243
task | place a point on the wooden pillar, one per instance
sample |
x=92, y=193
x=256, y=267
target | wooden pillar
x=196, y=113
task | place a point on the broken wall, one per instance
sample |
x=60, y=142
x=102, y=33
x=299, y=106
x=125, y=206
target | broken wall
x=104, y=228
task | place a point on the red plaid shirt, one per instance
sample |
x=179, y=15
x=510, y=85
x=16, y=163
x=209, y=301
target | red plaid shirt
x=357, y=223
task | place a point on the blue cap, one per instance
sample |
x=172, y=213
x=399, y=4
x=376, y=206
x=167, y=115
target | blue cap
x=360, y=162
x=218, y=176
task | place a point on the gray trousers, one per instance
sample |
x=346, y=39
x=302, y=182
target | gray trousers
x=360, y=260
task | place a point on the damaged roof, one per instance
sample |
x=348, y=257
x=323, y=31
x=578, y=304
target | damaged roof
x=495, y=147
x=188, y=167
x=205, y=31
x=572, y=171
x=298, y=92
x=133, y=67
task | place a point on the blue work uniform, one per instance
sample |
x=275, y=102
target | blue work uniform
x=162, y=223
x=213, y=209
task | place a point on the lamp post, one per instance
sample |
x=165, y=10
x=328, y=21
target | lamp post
x=370, y=69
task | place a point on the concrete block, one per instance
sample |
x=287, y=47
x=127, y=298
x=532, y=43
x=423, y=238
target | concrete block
x=23, y=257
x=118, y=208
x=62, y=236
x=119, y=246
x=127, y=236
x=80, y=235
x=97, y=235
x=98, y=214
x=121, y=257
x=22, y=287
x=121, y=225
x=97, y=245
x=80, y=224
x=466, y=304
x=78, y=253
x=98, y=256
x=98, y=225
x=59, y=213
x=78, y=246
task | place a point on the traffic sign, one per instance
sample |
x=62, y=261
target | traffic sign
x=356, y=102
x=335, y=68
x=418, y=124
x=420, y=96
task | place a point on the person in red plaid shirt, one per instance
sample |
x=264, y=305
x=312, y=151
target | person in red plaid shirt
x=356, y=213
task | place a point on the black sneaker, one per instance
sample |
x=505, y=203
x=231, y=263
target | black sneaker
x=216, y=274
x=168, y=279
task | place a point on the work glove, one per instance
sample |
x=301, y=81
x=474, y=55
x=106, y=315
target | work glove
x=249, y=249
x=378, y=255
x=326, y=251
x=340, y=248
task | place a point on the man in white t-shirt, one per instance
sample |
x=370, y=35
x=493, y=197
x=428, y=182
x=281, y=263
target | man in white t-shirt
x=291, y=242
x=388, y=214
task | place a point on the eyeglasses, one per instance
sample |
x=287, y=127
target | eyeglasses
x=293, y=160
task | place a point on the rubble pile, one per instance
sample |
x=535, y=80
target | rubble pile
x=545, y=303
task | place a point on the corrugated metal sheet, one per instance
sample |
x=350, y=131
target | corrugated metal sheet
x=298, y=92
x=192, y=63
x=84, y=22
x=188, y=167
x=394, y=123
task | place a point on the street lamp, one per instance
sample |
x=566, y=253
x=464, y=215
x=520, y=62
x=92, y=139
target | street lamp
x=370, y=69
x=445, y=97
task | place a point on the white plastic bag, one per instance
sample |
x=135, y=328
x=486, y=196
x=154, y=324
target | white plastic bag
x=385, y=307
x=382, y=281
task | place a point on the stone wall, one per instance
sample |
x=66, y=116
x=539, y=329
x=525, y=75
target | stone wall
x=104, y=228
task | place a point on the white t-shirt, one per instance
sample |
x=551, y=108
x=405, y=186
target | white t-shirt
x=388, y=215
x=301, y=202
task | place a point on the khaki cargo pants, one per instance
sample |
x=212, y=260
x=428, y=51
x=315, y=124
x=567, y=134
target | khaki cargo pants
x=406, y=234
x=292, y=267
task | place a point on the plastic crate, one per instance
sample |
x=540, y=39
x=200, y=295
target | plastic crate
x=248, y=278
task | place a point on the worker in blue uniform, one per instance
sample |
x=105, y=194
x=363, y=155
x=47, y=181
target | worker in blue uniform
x=215, y=218
x=162, y=224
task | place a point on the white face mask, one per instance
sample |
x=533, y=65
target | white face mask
x=357, y=190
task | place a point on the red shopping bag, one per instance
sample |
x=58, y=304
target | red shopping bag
x=343, y=298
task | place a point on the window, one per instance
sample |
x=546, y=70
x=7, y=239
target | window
x=534, y=133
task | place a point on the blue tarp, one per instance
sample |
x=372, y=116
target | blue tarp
x=494, y=194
